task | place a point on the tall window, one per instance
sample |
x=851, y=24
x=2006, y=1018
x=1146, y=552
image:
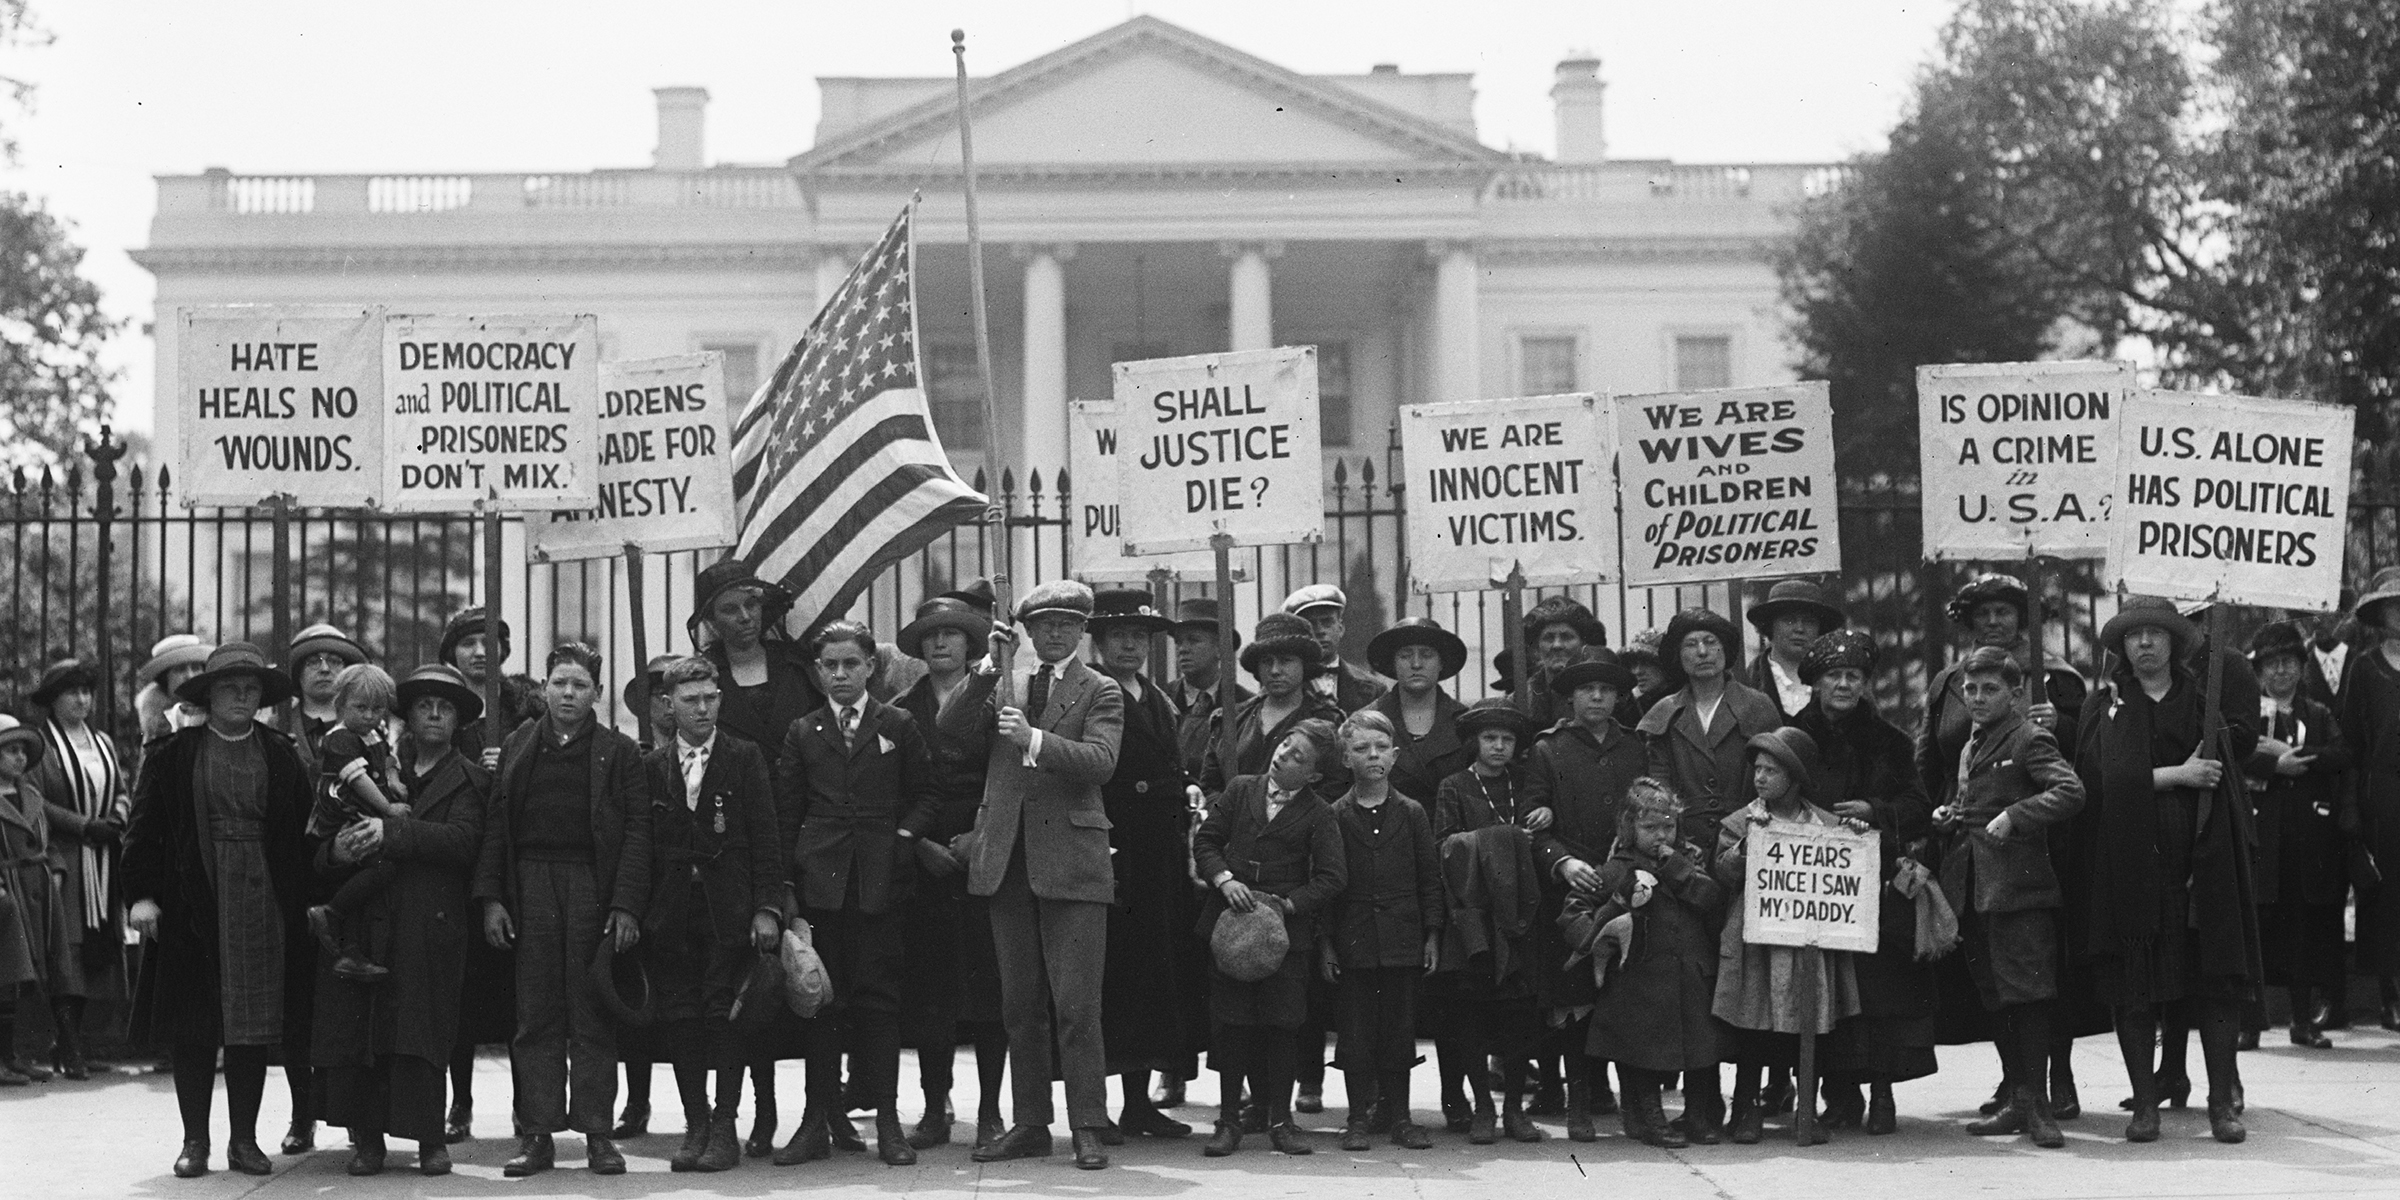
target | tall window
x=955, y=395
x=1546, y=363
x=741, y=374
x=1333, y=392
x=1703, y=362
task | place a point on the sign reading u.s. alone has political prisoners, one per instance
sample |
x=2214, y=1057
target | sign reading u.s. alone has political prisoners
x=2019, y=459
x=1812, y=885
x=666, y=464
x=1522, y=483
x=1095, y=543
x=1730, y=484
x=1219, y=443
x=280, y=402
x=499, y=411
x=2234, y=499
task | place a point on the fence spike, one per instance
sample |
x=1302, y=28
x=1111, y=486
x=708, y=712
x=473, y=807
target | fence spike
x=1008, y=481
x=980, y=485
x=49, y=484
x=1033, y=485
x=1366, y=473
x=1062, y=489
x=133, y=479
x=162, y=481
x=74, y=478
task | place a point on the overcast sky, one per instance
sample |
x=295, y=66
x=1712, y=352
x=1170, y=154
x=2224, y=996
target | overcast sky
x=135, y=88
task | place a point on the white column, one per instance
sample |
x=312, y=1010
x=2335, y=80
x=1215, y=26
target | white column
x=1250, y=288
x=1457, y=326
x=1045, y=408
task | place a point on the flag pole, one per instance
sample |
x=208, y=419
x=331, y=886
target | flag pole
x=994, y=519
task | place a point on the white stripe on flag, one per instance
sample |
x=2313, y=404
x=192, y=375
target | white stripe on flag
x=774, y=562
x=776, y=494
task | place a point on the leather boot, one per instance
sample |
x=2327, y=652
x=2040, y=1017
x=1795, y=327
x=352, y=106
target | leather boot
x=933, y=1129
x=192, y=1161
x=812, y=1141
x=459, y=1126
x=1579, y=1113
x=1365, y=1092
x=695, y=1142
x=535, y=1154
x=601, y=1156
x=2039, y=1123
x=1650, y=1116
x=2304, y=1022
x=433, y=1158
x=2144, y=1125
x=1226, y=1139
x=1287, y=1138
x=366, y=1158
x=2009, y=1121
x=67, y=1053
x=1882, y=1116
x=891, y=1141
x=245, y=1156
x=636, y=1122
x=1749, y=1124
x=2224, y=1124
x=1517, y=1125
x=723, y=1150
x=762, y=1130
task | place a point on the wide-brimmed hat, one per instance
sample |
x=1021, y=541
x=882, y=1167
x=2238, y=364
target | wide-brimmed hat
x=1126, y=608
x=622, y=983
x=2277, y=637
x=944, y=612
x=1250, y=945
x=238, y=658
x=1384, y=647
x=1315, y=595
x=1504, y=672
x=1961, y=609
x=467, y=623
x=1841, y=648
x=1697, y=620
x=322, y=638
x=1599, y=665
x=1057, y=598
x=1795, y=596
x=13, y=731
x=2381, y=590
x=61, y=677
x=726, y=574
x=2138, y=611
x=1565, y=610
x=1283, y=634
x=1494, y=713
x=1794, y=750
x=1200, y=614
x=172, y=651
x=1641, y=648
x=443, y=680
x=636, y=692
x=977, y=595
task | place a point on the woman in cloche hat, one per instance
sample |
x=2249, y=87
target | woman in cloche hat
x=81, y=776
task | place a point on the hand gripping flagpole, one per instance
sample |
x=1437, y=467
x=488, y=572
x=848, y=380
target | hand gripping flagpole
x=1003, y=602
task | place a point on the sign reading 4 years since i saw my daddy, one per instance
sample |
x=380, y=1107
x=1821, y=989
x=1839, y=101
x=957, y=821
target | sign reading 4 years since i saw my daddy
x=1501, y=484
x=1219, y=443
x=491, y=411
x=1812, y=885
x=1731, y=484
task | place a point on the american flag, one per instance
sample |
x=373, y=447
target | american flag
x=837, y=472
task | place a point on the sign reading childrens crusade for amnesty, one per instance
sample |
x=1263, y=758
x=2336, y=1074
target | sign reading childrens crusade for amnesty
x=1219, y=443
x=1812, y=885
x=1094, y=543
x=491, y=410
x=1730, y=484
x=1496, y=484
x=2234, y=499
x=280, y=402
x=666, y=465
x=2019, y=459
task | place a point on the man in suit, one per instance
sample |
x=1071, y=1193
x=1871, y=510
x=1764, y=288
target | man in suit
x=1041, y=853
x=1351, y=687
x=854, y=789
x=716, y=900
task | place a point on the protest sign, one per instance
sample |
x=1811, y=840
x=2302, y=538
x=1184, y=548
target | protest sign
x=499, y=411
x=2233, y=499
x=1095, y=546
x=1730, y=484
x=666, y=464
x=1812, y=885
x=280, y=402
x=2018, y=459
x=1220, y=443
x=1501, y=484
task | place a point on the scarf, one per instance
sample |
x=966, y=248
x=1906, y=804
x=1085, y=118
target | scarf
x=94, y=799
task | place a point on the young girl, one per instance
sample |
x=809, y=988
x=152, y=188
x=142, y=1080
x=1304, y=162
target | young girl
x=356, y=778
x=1269, y=839
x=1384, y=932
x=1659, y=967
x=1772, y=994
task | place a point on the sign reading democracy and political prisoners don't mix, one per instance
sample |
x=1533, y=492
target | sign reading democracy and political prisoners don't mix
x=1496, y=486
x=499, y=411
x=1730, y=484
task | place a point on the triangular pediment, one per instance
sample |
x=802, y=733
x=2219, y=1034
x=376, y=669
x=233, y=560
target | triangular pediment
x=1149, y=93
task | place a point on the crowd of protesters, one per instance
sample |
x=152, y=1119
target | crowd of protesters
x=838, y=846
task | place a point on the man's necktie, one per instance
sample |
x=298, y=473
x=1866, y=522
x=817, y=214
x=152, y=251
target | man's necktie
x=849, y=727
x=1037, y=694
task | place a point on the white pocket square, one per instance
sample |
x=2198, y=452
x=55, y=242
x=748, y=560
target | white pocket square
x=883, y=745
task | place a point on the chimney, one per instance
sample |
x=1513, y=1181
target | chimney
x=1577, y=97
x=682, y=117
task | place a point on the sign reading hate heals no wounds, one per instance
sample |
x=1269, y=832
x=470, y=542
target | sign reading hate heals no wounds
x=491, y=410
x=280, y=402
x=2019, y=459
x=1496, y=484
x=1095, y=542
x=1731, y=484
x=666, y=468
x=1812, y=885
x=1219, y=443
x=2233, y=499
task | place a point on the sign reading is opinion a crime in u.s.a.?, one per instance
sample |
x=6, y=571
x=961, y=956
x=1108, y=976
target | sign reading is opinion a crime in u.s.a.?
x=1095, y=543
x=1729, y=484
x=2019, y=459
x=2233, y=499
x=666, y=464
x=1812, y=885
x=1501, y=485
x=1219, y=444
x=277, y=401
x=491, y=411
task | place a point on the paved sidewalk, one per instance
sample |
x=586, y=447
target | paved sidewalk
x=2322, y=1123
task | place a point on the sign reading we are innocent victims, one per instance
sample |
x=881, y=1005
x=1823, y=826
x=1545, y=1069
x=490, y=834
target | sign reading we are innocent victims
x=666, y=464
x=1095, y=543
x=2019, y=459
x=1496, y=485
x=2233, y=499
x=1219, y=444
x=1730, y=484
x=491, y=411
x=1812, y=885
x=280, y=402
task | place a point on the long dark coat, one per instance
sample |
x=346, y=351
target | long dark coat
x=1393, y=896
x=30, y=901
x=1581, y=780
x=176, y=998
x=419, y=925
x=1143, y=982
x=2370, y=717
x=842, y=808
x=1424, y=762
x=1708, y=768
x=1654, y=1014
x=2300, y=849
x=1297, y=856
x=763, y=715
x=950, y=973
